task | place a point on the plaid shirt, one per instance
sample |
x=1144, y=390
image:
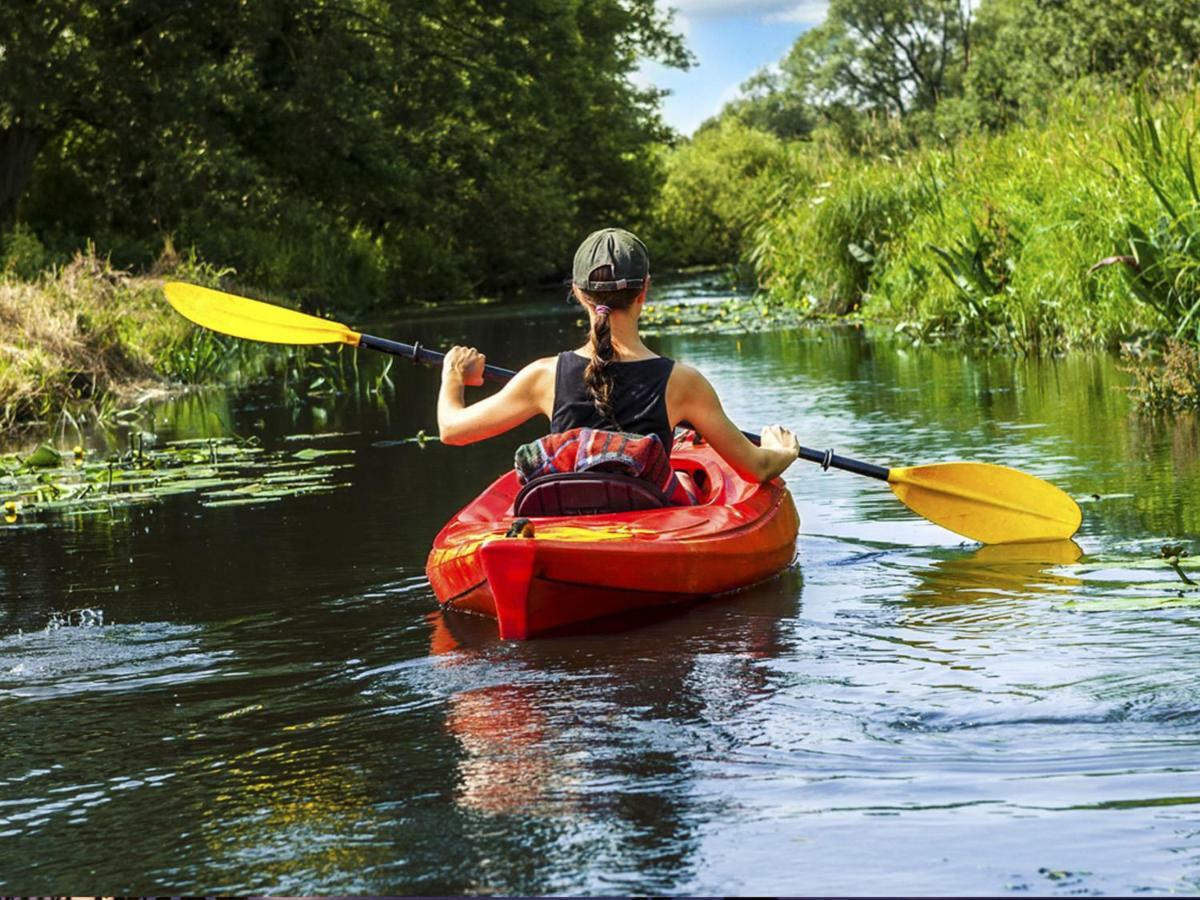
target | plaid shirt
x=592, y=449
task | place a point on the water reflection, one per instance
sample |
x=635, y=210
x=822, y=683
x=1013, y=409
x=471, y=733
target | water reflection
x=529, y=747
x=996, y=572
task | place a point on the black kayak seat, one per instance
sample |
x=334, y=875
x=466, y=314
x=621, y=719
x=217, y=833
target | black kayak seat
x=586, y=494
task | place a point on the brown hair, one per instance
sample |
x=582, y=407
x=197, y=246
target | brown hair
x=596, y=377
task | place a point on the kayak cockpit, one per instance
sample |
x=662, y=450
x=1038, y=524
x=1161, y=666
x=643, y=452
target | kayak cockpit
x=587, y=494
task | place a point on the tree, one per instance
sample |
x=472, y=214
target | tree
x=879, y=55
x=1028, y=49
x=766, y=103
x=300, y=139
x=713, y=193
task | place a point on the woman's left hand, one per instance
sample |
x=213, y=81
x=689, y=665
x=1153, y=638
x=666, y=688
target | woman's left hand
x=467, y=362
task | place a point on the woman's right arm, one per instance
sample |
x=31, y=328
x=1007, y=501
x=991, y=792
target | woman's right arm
x=690, y=397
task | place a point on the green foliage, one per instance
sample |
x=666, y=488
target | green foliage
x=1157, y=147
x=874, y=73
x=832, y=227
x=892, y=57
x=884, y=75
x=350, y=150
x=198, y=358
x=1026, y=50
x=85, y=333
x=22, y=255
x=980, y=265
x=1168, y=381
x=712, y=197
x=991, y=238
x=766, y=103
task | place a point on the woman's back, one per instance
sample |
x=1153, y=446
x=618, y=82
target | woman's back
x=615, y=381
x=639, y=396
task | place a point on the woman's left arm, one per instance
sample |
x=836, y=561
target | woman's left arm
x=531, y=391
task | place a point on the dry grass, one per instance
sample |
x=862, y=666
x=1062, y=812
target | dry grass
x=1170, y=383
x=77, y=335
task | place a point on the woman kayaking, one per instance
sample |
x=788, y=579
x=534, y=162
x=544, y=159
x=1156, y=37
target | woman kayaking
x=613, y=382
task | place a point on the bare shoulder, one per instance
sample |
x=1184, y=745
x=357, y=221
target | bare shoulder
x=689, y=395
x=536, y=370
x=536, y=380
x=686, y=381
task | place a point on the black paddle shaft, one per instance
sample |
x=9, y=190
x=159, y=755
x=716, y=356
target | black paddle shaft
x=420, y=354
x=824, y=458
x=827, y=459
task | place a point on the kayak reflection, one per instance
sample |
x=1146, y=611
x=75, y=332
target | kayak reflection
x=529, y=743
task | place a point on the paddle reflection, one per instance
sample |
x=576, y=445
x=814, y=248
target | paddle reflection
x=998, y=570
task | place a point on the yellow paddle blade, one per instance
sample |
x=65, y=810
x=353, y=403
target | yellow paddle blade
x=985, y=502
x=252, y=319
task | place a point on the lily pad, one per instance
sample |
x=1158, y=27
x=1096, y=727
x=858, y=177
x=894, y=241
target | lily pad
x=244, y=501
x=1133, y=604
x=314, y=453
x=222, y=471
x=328, y=435
x=44, y=457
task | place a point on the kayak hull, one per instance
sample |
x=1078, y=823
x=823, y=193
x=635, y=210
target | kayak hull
x=574, y=569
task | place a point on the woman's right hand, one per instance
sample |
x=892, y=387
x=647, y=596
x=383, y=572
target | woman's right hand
x=776, y=437
x=467, y=362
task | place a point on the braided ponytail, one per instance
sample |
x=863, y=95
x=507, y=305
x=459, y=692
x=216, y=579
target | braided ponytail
x=596, y=377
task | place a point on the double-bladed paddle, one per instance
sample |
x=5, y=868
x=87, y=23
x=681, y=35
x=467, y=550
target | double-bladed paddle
x=985, y=502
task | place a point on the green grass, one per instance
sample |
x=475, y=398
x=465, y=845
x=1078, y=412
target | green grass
x=85, y=335
x=995, y=238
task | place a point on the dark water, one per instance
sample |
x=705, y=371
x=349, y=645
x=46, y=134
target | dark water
x=264, y=699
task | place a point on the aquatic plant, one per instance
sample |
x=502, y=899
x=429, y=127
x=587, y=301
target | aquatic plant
x=1166, y=380
x=219, y=471
x=198, y=358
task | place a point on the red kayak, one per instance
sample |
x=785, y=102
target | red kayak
x=554, y=552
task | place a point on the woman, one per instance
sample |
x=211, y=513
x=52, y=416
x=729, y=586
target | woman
x=614, y=381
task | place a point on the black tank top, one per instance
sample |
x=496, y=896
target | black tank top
x=639, y=396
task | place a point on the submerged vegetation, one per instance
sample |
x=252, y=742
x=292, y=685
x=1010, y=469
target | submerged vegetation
x=218, y=471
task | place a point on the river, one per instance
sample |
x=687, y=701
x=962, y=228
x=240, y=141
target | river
x=265, y=698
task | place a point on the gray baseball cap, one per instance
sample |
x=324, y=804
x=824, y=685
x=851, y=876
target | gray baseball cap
x=614, y=247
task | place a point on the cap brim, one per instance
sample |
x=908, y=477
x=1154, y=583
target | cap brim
x=622, y=284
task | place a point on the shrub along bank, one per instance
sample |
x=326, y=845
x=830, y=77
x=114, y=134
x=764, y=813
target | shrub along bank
x=1079, y=229
x=83, y=336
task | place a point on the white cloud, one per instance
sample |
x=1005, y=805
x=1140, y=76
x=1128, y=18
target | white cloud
x=808, y=11
x=811, y=12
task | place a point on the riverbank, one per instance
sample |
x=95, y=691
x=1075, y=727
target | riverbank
x=84, y=338
x=1058, y=234
x=1077, y=230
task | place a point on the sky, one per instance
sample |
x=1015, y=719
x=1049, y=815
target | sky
x=731, y=40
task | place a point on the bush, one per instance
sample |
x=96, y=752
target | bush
x=714, y=196
x=22, y=255
x=833, y=228
x=1169, y=382
x=993, y=238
